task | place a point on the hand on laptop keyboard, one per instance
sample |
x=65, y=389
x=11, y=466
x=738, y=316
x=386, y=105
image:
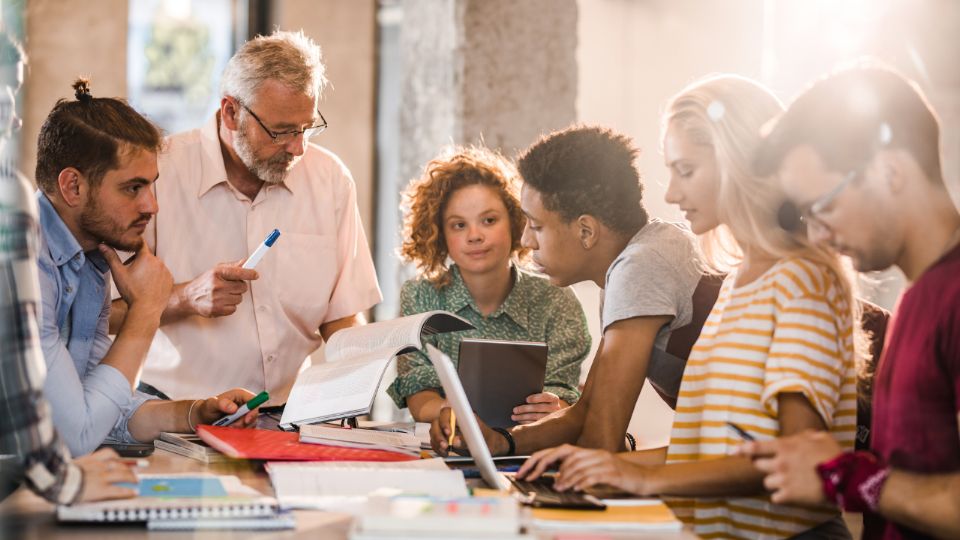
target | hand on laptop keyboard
x=540, y=493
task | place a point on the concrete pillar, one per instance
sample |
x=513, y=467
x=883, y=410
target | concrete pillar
x=64, y=40
x=499, y=70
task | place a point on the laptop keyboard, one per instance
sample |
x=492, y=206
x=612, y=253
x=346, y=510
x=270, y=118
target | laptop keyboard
x=542, y=495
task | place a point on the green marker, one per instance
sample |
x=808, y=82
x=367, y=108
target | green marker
x=257, y=400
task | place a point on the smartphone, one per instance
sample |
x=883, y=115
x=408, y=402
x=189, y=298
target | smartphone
x=131, y=450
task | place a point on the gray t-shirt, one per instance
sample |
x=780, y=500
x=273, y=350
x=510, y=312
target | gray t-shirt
x=655, y=275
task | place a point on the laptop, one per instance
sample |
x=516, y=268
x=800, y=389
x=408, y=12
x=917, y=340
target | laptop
x=499, y=375
x=538, y=493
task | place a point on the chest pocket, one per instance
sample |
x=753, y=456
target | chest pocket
x=307, y=270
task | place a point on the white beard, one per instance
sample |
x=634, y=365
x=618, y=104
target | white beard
x=273, y=170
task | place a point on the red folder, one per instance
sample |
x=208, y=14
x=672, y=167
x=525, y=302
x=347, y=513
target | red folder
x=285, y=446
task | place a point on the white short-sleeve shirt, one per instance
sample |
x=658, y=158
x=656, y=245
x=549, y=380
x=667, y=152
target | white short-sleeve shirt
x=319, y=270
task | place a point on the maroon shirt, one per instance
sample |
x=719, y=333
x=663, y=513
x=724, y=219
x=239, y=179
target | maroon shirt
x=917, y=388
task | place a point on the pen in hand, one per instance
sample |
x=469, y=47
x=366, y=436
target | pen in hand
x=742, y=432
x=453, y=428
x=244, y=409
x=261, y=250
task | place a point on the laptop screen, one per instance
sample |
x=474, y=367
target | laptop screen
x=466, y=421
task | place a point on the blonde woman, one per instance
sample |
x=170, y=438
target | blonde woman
x=775, y=357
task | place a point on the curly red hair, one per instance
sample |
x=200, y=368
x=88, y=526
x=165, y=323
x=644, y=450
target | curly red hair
x=426, y=198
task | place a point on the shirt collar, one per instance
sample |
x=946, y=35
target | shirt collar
x=514, y=306
x=213, y=171
x=61, y=242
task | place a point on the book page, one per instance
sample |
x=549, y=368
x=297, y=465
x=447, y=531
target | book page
x=384, y=336
x=331, y=388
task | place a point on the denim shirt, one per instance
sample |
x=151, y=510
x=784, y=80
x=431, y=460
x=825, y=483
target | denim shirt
x=90, y=401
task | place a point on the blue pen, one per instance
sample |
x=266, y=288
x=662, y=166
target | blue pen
x=247, y=407
x=261, y=250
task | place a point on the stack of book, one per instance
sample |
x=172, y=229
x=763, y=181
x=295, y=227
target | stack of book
x=189, y=445
x=421, y=517
x=370, y=439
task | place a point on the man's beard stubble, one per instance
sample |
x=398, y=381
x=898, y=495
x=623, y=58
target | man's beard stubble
x=272, y=170
x=97, y=224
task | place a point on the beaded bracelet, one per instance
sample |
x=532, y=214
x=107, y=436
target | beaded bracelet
x=510, y=442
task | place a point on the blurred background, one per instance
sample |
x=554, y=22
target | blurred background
x=409, y=76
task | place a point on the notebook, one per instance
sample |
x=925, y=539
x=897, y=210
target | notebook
x=642, y=515
x=468, y=426
x=281, y=521
x=336, y=485
x=499, y=375
x=175, y=497
x=284, y=446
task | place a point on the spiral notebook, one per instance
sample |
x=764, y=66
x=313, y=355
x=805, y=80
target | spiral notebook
x=177, y=497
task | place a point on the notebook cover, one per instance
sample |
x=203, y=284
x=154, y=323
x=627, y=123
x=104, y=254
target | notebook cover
x=499, y=375
x=654, y=515
x=285, y=446
x=180, y=496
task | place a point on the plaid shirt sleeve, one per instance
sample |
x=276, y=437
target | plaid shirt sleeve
x=32, y=450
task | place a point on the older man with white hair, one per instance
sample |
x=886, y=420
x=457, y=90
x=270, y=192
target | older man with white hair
x=224, y=187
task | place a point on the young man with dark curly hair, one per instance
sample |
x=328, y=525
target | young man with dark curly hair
x=465, y=208
x=585, y=222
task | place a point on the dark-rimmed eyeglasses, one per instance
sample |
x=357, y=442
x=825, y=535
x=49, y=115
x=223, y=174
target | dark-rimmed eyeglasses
x=790, y=216
x=284, y=137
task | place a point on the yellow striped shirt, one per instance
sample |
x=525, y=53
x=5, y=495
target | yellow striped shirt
x=788, y=331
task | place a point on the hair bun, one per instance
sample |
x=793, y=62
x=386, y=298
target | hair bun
x=81, y=88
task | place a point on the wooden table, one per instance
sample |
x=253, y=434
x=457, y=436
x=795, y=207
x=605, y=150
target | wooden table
x=25, y=516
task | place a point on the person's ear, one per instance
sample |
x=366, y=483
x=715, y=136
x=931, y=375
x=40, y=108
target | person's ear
x=893, y=169
x=588, y=229
x=72, y=187
x=230, y=112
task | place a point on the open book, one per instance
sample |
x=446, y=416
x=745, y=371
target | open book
x=346, y=384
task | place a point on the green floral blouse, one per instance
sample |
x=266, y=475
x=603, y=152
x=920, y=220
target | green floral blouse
x=534, y=310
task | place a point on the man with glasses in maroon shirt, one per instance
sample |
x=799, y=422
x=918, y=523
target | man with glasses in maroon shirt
x=858, y=153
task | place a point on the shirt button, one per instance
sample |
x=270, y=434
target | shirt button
x=262, y=308
x=271, y=358
x=69, y=289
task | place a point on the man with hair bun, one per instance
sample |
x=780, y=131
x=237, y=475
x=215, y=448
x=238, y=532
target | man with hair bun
x=96, y=161
x=31, y=451
x=249, y=170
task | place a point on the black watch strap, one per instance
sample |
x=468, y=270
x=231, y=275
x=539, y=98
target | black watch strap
x=510, y=442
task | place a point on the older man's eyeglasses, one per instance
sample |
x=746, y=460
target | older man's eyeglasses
x=284, y=137
x=791, y=216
